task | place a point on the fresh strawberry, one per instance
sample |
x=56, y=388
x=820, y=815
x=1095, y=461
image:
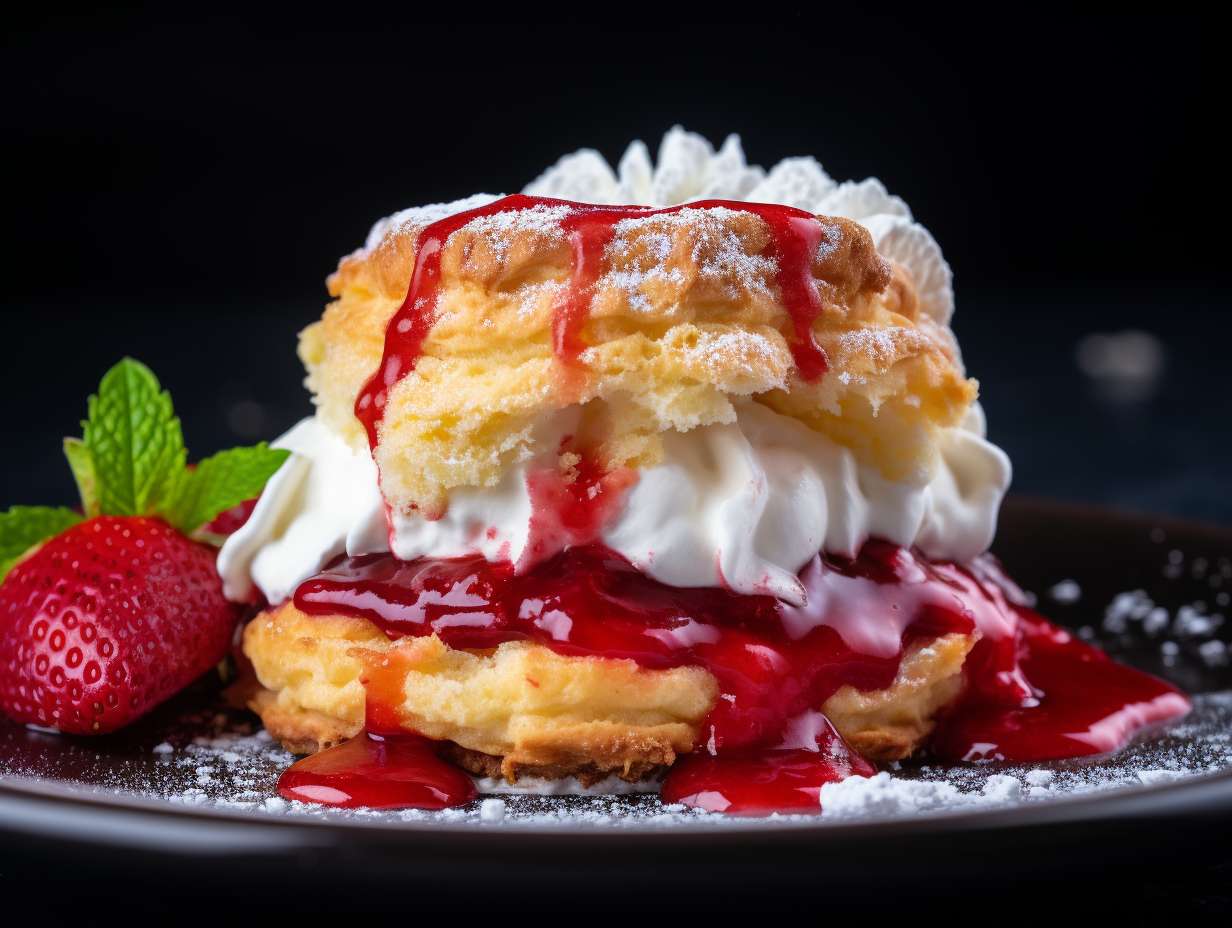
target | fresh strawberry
x=106, y=612
x=107, y=620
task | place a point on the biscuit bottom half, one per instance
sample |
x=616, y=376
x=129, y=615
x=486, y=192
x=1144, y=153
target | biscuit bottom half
x=521, y=709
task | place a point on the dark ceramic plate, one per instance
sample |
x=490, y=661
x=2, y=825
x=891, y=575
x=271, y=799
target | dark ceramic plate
x=73, y=806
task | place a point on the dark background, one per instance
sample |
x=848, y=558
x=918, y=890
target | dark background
x=179, y=190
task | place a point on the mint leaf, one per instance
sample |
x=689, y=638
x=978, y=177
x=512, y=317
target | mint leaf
x=23, y=527
x=219, y=482
x=81, y=462
x=134, y=440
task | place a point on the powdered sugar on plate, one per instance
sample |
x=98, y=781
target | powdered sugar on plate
x=1190, y=629
x=222, y=761
x=1199, y=745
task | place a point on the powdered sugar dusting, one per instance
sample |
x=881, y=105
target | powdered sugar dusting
x=1189, y=630
x=644, y=247
x=688, y=168
x=500, y=229
x=715, y=353
x=533, y=297
x=880, y=345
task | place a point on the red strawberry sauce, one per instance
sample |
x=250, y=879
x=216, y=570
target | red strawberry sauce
x=1033, y=692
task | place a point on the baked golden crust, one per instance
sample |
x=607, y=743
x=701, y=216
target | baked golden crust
x=524, y=709
x=685, y=316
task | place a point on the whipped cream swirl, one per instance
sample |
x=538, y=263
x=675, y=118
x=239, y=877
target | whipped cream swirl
x=743, y=505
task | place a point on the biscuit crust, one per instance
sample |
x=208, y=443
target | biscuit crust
x=685, y=317
x=521, y=709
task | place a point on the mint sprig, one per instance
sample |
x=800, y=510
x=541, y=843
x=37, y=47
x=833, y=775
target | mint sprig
x=131, y=461
x=134, y=439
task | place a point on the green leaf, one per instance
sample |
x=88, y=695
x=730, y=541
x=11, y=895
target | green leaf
x=23, y=527
x=82, y=464
x=219, y=482
x=134, y=440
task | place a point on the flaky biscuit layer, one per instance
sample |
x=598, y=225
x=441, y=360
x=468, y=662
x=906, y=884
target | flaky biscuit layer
x=546, y=713
x=685, y=316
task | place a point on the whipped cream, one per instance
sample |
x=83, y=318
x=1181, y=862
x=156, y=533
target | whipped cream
x=743, y=505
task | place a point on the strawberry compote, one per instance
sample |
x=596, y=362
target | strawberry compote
x=1034, y=692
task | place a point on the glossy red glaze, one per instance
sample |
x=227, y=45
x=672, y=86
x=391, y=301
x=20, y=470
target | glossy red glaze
x=377, y=772
x=1034, y=692
x=1083, y=703
x=787, y=778
x=772, y=661
x=795, y=237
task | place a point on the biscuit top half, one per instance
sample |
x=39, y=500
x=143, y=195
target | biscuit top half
x=671, y=318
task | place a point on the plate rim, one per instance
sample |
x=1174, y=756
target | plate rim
x=1217, y=783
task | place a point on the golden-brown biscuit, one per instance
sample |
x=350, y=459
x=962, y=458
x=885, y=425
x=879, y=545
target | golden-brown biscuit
x=686, y=315
x=523, y=709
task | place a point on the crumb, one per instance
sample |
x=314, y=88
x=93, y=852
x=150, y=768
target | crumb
x=1039, y=777
x=1156, y=621
x=1152, y=777
x=492, y=810
x=1001, y=787
x=884, y=795
x=1066, y=592
x=1214, y=653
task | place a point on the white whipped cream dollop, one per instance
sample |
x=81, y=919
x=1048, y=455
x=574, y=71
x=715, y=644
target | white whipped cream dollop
x=743, y=505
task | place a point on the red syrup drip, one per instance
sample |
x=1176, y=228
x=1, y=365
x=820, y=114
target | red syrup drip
x=385, y=766
x=1034, y=692
x=378, y=772
x=795, y=237
x=758, y=782
x=1086, y=703
x=571, y=513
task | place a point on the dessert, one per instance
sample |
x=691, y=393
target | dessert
x=692, y=493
